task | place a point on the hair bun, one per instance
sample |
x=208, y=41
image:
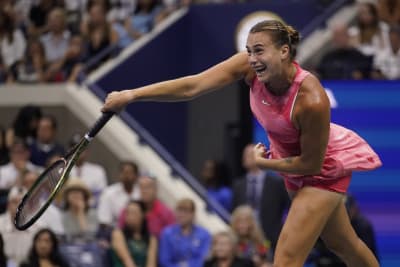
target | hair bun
x=294, y=35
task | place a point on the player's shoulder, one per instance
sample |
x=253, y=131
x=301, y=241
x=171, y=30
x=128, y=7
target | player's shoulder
x=311, y=94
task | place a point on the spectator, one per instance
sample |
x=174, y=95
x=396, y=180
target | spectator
x=92, y=174
x=19, y=163
x=184, y=243
x=115, y=197
x=98, y=31
x=389, y=11
x=25, y=125
x=31, y=68
x=68, y=67
x=75, y=9
x=44, y=251
x=344, y=61
x=133, y=245
x=56, y=40
x=158, y=215
x=387, y=62
x=45, y=145
x=143, y=19
x=265, y=192
x=120, y=10
x=215, y=179
x=3, y=258
x=223, y=252
x=12, y=44
x=38, y=14
x=369, y=35
x=251, y=241
x=16, y=243
x=79, y=220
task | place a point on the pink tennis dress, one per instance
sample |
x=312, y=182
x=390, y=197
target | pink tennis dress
x=346, y=151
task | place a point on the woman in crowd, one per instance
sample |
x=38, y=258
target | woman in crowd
x=251, y=241
x=133, y=246
x=44, y=252
x=78, y=218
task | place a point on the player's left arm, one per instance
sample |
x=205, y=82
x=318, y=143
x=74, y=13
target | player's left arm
x=311, y=116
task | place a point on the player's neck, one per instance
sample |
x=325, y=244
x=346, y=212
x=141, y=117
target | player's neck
x=280, y=84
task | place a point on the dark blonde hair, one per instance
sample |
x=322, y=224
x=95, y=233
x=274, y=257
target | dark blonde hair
x=280, y=33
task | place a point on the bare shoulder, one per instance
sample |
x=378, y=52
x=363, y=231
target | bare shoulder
x=312, y=94
x=312, y=102
x=237, y=65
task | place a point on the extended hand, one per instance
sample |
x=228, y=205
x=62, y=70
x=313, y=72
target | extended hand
x=116, y=101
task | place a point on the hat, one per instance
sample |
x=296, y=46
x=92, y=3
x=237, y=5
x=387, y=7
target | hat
x=77, y=184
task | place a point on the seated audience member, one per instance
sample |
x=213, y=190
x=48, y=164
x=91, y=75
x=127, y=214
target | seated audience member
x=3, y=258
x=31, y=68
x=133, y=245
x=265, y=192
x=45, y=144
x=223, y=252
x=92, y=174
x=369, y=35
x=143, y=18
x=387, y=62
x=158, y=215
x=25, y=125
x=115, y=197
x=344, y=61
x=4, y=149
x=251, y=241
x=69, y=66
x=119, y=10
x=184, y=243
x=38, y=16
x=98, y=31
x=16, y=243
x=12, y=44
x=389, y=11
x=56, y=40
x=79, y=220
x=216, y=181
x=44, y=251
x=19, y=163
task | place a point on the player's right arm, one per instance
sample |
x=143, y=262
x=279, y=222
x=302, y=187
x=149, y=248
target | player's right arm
x=185, y=88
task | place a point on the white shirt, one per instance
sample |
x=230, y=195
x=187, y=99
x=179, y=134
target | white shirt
x=55, y=47
x=16, y=243
x=388, y=63
x=9, y=174
x=13, y=52
x=378, y=42
x=93, y=175
x=112, y=201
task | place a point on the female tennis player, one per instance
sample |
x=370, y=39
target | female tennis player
x=315, y=156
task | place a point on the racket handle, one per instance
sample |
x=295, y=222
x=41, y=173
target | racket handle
x=100, y=123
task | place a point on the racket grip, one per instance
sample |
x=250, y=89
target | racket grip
x=100, y=123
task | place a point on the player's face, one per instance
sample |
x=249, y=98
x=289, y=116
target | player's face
x=264, y=57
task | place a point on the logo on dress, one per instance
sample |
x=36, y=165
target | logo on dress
x=265, y=102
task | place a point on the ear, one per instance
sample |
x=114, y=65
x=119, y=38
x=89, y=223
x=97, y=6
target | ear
x=285, y=52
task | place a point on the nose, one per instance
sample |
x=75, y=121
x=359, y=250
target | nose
x=252, y=59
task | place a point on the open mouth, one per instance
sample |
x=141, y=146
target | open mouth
x=260, y=70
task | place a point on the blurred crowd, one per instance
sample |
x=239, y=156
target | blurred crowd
x=99, y=221
x=367, y=49
x=55, y=40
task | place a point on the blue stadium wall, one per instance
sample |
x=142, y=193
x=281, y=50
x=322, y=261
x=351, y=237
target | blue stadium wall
x=372, y=109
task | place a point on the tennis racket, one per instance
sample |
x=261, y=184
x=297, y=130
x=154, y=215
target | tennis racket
x=49, y=183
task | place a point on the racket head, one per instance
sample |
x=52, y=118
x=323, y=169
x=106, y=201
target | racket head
x=45, y=189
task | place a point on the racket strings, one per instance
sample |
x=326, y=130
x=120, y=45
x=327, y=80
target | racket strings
x=39, y=196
